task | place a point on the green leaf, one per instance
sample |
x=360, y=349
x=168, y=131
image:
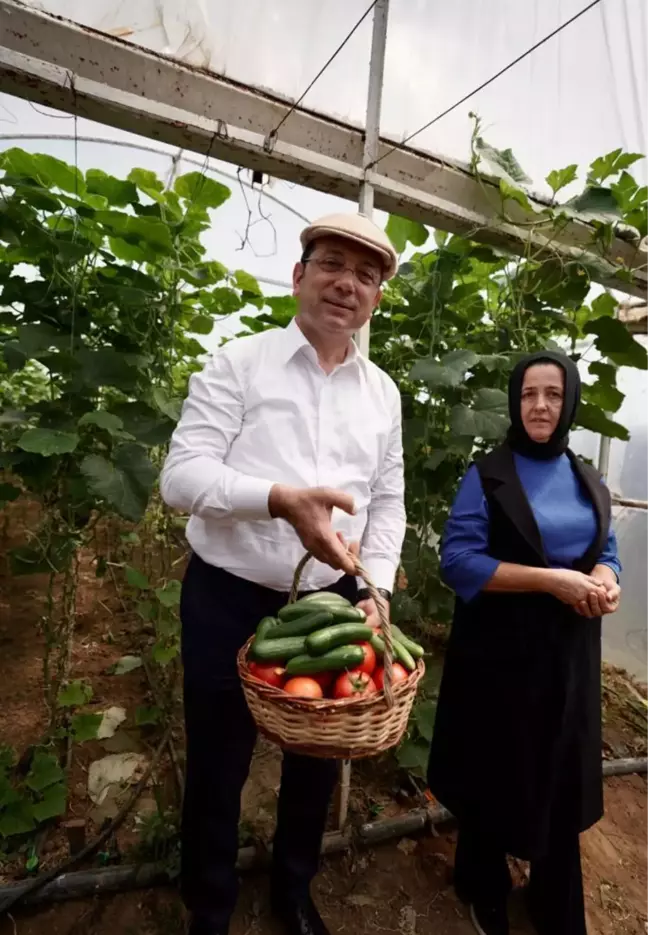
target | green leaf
x=201, y=324
x=449, y=371
x=611, y=164
x=116, y=191
x=594, y=419
x=48, y=442
x=104, y=420
x=503, y=160
x=85, y=726
x=604, y=304
x=144, y=423
x=246, y=283
x=479, y=424
x=147, y=182
x=595, y=202
x=53, y=804
x=515, y=194
x=607, y=373
x=201, y=190
x=604, y=395
x=125, y=483
x=560, y=178
x=126, y=664
x=615, y=341
x=163, y=654
x=45, y=771
x=169, y=406
x=145, y=715
x=169, y=595
x=491, y=400
x=136, y=579
x=436, y=458
x=16, y=818
x=75, y=694
x=7, y=757
x=441, y=238
x=413, y=755
x=424, y=716
x=108, y=367
x=402, y=231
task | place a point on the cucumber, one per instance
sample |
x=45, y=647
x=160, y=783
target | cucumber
x=340, y=613
x=264, y=628
x=403, y=656
x=301, y=626
x=401, y=653
x=325, y=596
x=322, y=641
x=414, y=648
x=343, y=657
x=278, y=650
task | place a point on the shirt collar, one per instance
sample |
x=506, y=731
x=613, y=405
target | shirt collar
x=294, y=340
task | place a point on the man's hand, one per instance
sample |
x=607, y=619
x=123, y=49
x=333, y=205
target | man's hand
x=573, y=587
x=308, y=510
x=369, y=607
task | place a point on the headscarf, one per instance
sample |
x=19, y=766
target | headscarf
x=517, y=436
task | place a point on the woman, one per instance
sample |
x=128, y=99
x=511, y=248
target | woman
x=516, y=754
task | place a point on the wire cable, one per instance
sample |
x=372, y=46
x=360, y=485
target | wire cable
x=273, y=133
x=485, y=84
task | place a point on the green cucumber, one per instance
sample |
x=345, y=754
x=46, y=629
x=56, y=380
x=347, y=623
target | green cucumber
x=301, y=626
x=278, y=650
x=403, y=656
x=414, y=648
x=401, y=653
x=339, y=659
x=265, y=625
x=340, y=613
x=325, y=596
x=322, y=641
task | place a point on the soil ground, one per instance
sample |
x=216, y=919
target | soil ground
x=402, y=888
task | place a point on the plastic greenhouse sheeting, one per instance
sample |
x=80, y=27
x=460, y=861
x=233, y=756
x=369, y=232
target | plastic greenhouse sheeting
x=580, y=95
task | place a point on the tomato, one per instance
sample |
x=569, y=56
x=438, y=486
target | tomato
x=270, y=673
x=323, y=679
x=369, y=663
x=304, y=687
x=399, y=674
x=350, y=684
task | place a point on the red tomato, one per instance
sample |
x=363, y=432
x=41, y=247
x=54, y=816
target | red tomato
x=399, y=674
x=270, y=673
x=304, y=687
x=350, y=684
x=323, y=679
x=369, y=663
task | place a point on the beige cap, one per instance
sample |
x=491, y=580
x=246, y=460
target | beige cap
x=355, y=227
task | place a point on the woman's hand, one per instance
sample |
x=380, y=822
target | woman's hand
x=574, y=588
x=597, y=605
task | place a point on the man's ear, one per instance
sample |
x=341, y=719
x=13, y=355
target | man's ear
x=378, y=299
x=297, y=276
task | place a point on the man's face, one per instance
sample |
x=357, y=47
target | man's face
x=338, y=287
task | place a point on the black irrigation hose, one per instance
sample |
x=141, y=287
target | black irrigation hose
x=57, y=886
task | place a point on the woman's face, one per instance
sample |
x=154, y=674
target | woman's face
x=543, y=390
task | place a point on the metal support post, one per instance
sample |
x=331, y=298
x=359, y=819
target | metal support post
x=365, y=206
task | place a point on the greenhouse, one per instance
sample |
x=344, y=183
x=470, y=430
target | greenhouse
x=159, y=163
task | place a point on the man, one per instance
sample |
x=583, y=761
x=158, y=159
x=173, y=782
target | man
x=289, y=441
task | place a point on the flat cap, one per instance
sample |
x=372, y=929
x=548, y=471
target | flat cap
x=356, y=227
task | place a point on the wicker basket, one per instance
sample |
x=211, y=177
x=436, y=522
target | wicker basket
x=349, y=728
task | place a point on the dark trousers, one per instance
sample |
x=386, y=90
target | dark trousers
x=555, y=893
x=219, y=612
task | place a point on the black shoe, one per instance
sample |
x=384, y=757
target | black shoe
x=489, y=920
x=298, y=915
x=203, y=925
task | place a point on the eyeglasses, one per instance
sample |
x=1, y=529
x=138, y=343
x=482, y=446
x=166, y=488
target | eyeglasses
x=366, y=275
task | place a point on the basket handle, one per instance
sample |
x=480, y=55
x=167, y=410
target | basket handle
x=383, y=614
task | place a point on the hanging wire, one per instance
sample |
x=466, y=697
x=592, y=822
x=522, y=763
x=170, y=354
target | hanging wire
x=273, y=133
x=485, y=84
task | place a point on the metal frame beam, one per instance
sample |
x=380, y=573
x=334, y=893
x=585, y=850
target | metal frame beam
x=80, y=71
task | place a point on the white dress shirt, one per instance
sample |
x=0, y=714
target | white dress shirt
x=262, y=411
